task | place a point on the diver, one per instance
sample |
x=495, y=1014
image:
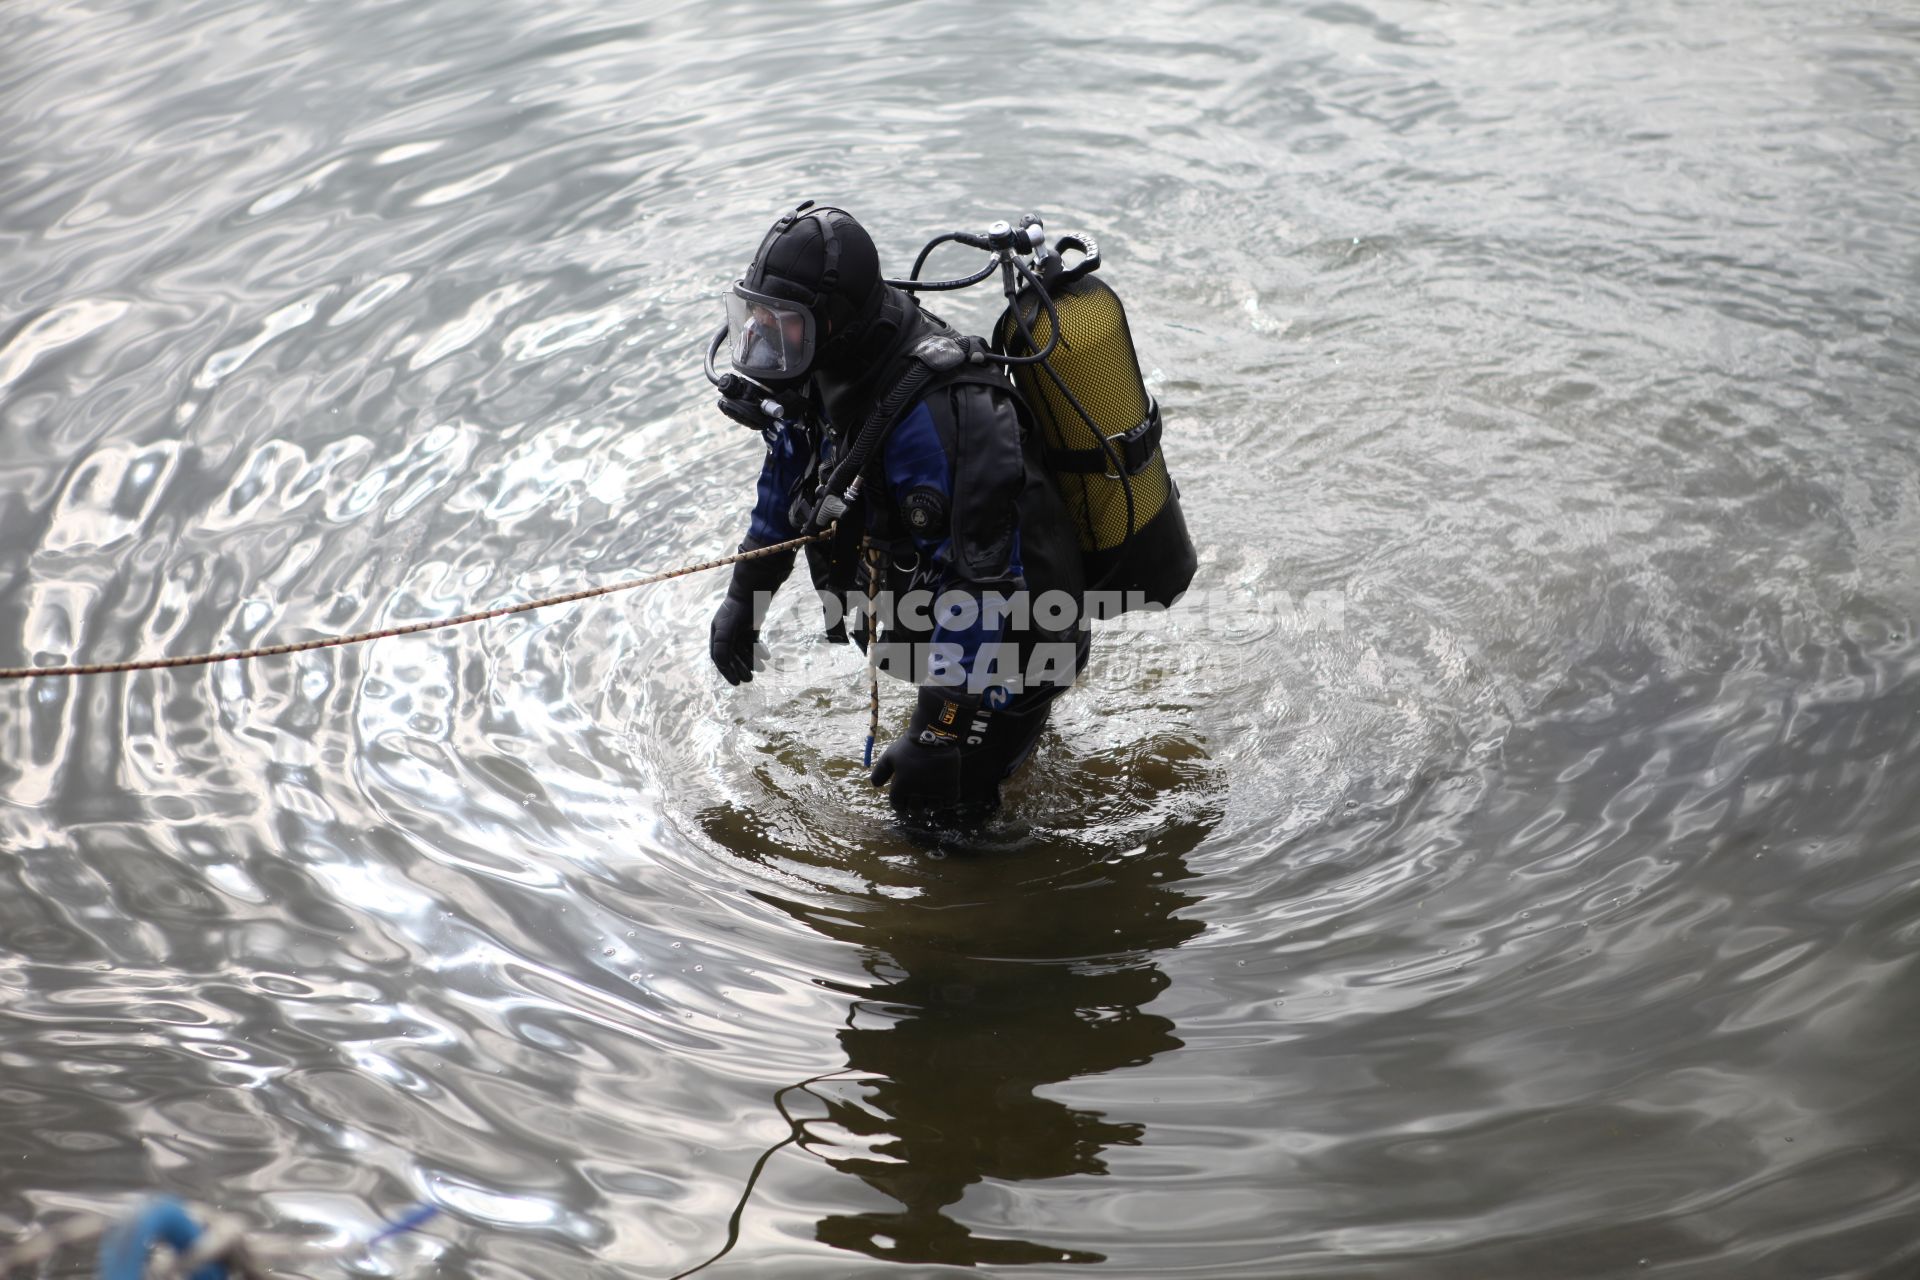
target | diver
x=954, y=523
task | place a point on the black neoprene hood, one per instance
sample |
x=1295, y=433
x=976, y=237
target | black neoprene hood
x=822, y=258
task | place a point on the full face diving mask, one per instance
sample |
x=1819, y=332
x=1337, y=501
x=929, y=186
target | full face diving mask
x=770, y=339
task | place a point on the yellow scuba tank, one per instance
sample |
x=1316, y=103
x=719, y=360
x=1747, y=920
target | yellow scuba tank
x=1104, y=453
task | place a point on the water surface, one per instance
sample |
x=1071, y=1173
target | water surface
x=1500, y=868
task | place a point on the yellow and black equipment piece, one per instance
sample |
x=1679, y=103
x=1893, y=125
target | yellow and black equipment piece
x=1064, y=339
x=1101, y=429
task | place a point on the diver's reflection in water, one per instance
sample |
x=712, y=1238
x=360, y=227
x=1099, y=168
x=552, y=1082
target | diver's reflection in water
x=1006, y=973
x=953, y=1040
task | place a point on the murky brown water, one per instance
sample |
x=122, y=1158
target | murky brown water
x=1502, y=867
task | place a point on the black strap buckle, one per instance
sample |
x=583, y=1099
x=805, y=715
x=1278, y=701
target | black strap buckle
x=1133, y=448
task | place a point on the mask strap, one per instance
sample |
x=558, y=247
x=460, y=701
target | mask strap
x=831, y=276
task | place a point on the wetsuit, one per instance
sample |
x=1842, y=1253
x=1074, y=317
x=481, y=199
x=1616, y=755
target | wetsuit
x=981, y=586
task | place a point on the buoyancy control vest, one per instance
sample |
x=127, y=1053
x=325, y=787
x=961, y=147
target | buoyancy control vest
x=999, y=482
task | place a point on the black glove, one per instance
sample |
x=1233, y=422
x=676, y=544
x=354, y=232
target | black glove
x=734, y=639
x=924, y=762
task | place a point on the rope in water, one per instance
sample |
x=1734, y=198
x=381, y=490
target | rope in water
x=872, y=556
x=414, y=628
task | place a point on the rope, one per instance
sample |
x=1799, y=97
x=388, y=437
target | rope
x=797, y=1135
x=329, y=642
x=872, y=557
